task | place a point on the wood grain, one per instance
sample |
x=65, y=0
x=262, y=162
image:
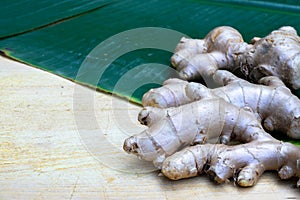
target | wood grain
x=43, y=154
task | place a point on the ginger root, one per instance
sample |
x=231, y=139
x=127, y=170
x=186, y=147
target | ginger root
x=212, y=120
x=193, y=129
x=223, y=48
x=244, y=162
x=174, y=128
x=273, y=103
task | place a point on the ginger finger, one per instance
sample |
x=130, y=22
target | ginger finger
x=176, y=92
x=150, y=115
x=271, y=81
x=173, y=93
x=202, y=66
x=249, y=175
x=169, y=95
x=224, y=46
x=246, y=161
x=185, y=49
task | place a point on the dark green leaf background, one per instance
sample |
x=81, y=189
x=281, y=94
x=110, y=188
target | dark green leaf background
x=58, y=35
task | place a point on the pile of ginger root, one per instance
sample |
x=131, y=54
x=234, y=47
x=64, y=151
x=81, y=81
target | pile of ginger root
x=225, y=131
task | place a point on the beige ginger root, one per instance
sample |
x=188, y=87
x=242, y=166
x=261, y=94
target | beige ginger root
x=273, y=103
x=277, y=54
x=188, y=124
x=181, y=114
x=244, y=162
x=211, y=120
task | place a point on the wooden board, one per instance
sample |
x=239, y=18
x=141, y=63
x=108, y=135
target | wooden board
x=45, y=152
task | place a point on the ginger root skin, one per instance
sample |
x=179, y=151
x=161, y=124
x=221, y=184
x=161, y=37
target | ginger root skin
x=277, y=54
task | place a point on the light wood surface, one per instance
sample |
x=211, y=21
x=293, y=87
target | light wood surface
x=59, y=140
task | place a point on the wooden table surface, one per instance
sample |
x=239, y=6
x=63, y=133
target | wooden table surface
x=59, y=140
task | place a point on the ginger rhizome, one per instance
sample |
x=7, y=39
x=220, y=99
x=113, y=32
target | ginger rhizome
x=193, y=129
x=272, y=102
x=198, y=122
x=244, y=162
x=223, y=48
x=212, y=120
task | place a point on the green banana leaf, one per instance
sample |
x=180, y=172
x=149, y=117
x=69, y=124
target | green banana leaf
x=124, y=47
